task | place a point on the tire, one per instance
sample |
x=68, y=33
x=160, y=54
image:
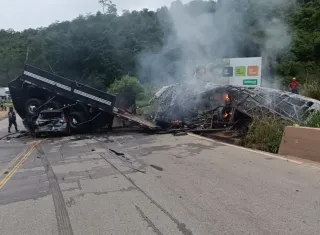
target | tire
x=29, y=123
x=102, y=120
x=32, y=106
x=53, y=105
x=68, y=133
x=76, y=118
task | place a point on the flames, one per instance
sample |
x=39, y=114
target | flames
x=226, y=97
x=227, y=115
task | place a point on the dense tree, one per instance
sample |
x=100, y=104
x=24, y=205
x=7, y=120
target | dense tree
x=100, y=48
x=126, y=84
x=304, y=57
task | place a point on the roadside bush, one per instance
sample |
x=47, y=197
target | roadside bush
x=127, y=84
x=265, y=134
x=313, y=120
x=145, y=107
x=311, y=89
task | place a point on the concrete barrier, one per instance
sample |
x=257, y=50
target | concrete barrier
x=302, y=142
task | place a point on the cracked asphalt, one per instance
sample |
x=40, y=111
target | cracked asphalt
x=154, y=184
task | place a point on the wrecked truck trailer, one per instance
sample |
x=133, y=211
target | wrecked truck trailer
x=86, y=108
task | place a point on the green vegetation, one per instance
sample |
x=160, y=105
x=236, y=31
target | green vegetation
x=303, y=59
x=313, y=120
x=142, y=93
x=127, y=84
x=100, y=48
x=265, y=134
x=311, y=89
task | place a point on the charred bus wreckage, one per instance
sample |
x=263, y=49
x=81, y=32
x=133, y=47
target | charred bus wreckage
x=208, y=106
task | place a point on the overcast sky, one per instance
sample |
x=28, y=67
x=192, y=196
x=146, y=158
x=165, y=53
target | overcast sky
x=22, y=14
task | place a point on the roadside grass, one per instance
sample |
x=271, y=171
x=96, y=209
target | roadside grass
x=313, y=120
x=311, y=89
x=265, y=134
x=144, y=107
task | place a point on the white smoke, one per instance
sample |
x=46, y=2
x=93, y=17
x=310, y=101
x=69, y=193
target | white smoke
x=198, y=37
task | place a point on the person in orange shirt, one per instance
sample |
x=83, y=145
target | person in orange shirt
x=294, y=85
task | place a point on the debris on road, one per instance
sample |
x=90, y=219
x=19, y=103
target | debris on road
x=116, y=152
x=16, y=135
x=157, y=167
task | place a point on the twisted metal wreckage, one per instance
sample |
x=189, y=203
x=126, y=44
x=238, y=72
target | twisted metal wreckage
x=209, y=106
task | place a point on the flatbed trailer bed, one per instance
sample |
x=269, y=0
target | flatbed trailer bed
x=135, y=118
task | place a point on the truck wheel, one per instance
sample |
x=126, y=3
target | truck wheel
x=53, y=105
x=32, y=106
x=76, y=118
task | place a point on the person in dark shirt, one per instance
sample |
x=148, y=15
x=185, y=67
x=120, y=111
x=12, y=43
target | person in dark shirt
x=12, y=119
x=2, y=105
x=294, y=86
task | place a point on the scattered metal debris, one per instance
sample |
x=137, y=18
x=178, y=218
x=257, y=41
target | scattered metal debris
x=16, y=135
x=180, y=133
x=157, y=167
x=116, y=152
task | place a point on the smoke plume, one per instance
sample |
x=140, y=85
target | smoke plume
x=201, y=32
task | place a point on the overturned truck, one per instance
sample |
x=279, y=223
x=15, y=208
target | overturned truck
x=86, y=108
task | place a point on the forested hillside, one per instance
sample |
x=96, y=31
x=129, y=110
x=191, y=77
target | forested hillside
x=165, y=45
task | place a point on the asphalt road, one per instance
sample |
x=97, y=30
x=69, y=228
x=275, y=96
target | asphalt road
x=9, y=149
x=4, y=126
x=161, y=184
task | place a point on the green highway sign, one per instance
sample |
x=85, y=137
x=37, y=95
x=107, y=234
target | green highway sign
x=250, y=82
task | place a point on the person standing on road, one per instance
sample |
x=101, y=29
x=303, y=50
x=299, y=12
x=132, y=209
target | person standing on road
x=294, y=86
x=12, y=119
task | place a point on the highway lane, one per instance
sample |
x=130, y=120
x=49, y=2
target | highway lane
x=9, y=150
x=4, y=126
x=160, y=184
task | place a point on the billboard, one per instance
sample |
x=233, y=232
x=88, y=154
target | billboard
x=243, y=71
